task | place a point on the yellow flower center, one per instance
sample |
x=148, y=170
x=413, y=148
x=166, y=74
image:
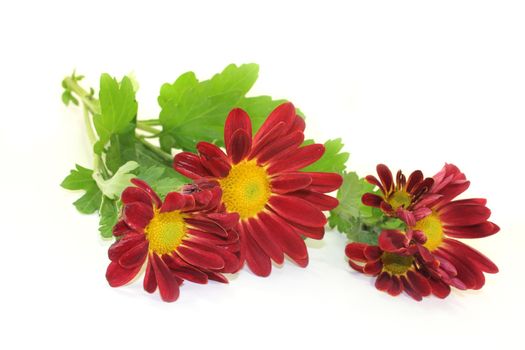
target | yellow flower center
x=433, y=229
x=396, y=264
x=165, y=231
x=246, y=189
x=399, y=199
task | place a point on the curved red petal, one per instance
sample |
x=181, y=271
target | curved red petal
x=150, y=281
x=484, y=229
x=189, y=165
x=299, y=159
x=237, y=119
x=385, y=175
x=290, y=182
x=284, y=113
x=256, y=229
x=439, y=289
x=480, y=260
x=356, y=251
x=285, y=236
x=137, y=215
x=168, y=286
x=372, y=200
x=240, y=146
x=134, y=256
x=281, y=147
x=297, y=210
x=419, y=283
x=135, y=194
x=464, y=215
x=321, y=201
x=324, y=182
x=173, y=201
x=117, y=275
x=258, y=261
x=123, y=245
x=383, y=281
x=200, y=257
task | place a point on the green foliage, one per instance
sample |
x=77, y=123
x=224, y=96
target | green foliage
x=162, y=179
x=333, y=160
x=118, y=109
x=113, y=187
x=359, y=222
x=108, y=217
x=82, y=179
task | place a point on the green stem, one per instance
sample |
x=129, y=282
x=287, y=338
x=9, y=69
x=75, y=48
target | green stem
x=167, y=157
x=146, y=127
x=153, y=122
x=98, y=162
x=91, y=103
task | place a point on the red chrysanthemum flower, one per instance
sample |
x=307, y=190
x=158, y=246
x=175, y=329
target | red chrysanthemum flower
x=436, y=219
x=450, y=219
x=401, y=195
x=182, y=238
x=395, y=262
x=260, y=179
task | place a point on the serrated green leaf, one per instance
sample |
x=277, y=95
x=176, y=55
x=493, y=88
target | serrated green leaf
x=108, y=217
x=195, y=111
x=90, y=202
x=359, y=222
x=162, y=179
x=333, y=160
x=113, y=187
x=79, y=179
x=118, y=109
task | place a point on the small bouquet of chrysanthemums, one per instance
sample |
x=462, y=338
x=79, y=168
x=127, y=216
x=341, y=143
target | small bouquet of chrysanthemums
x=221, y=179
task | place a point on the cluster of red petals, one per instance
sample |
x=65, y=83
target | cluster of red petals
x=297, y=199
x=416, y=281
x=415, y=186
x=209, y=248
x=451, y=263
x=463, y=218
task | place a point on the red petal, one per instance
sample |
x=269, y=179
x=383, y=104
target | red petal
x=173, y=201
x=285, y=236
x=392, y=241
x=374, y=181
x=121, y=228
x=226, y=220
x=373, y=267
x=356, y=251
x=206, y=225
x=283, y=146
x=289, y=182
x=480, y=260
x=134, y=256
x=413, y=180
x=464, y=215
x=137, y=215
x=297, y=210
x=396, y=287
x=143, y=185
x=299, y=159
x=123, y=245
x=191, y=275
x=214, y=159
x=135, y=194
x=320, y=201
x=385, y=175
x=310, y=232
x=240, y=146
x=256, y=258
x=324, y=182
x=298, y=124
x=200, y=258
x=118, y=276
x=275, y=133
x=470, y=276
x=383, y=281
x=284, y=113
x=168, y=286
x=237, y=119
x=189, y=165
x=215, y=276
x=372, y=252
x=372, y=200
x=259, y=233
x=419, y=283
x=150, y=281
x=439, y=289
x=409, y=289
x=484, y=229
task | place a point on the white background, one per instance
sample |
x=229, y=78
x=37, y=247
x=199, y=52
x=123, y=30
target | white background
x=413, y=84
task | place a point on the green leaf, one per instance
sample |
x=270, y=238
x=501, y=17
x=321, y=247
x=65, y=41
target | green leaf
x=112, y=188
x=333, y=160
x=194, y=111
x=162, y=179
x=81, y=179
x=108, y=217
x=359, y=222
x=90, y=201
x=118, y=109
